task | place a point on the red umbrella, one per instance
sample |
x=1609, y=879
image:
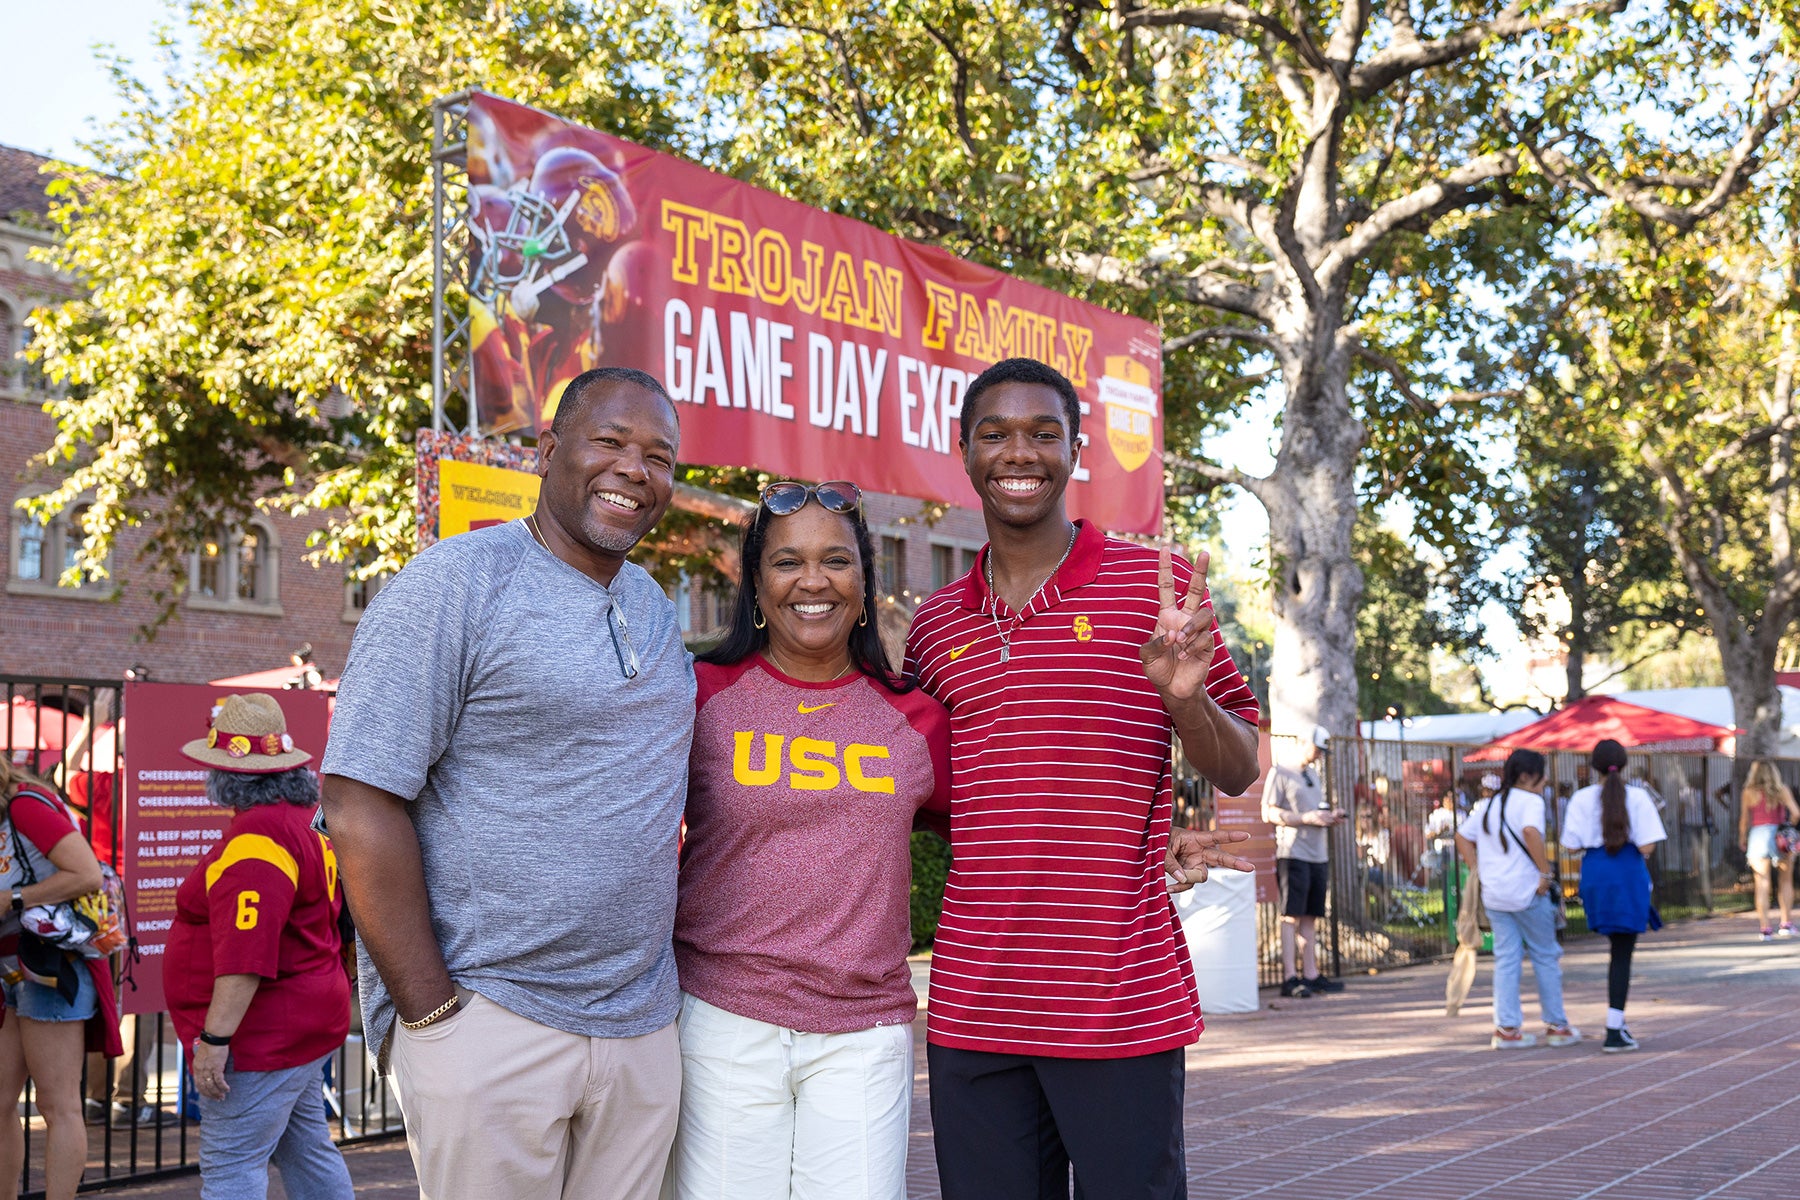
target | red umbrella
x=1588, y=720
x=34, y=736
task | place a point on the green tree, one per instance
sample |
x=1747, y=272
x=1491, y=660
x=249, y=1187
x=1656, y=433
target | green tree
x=1312, y=198
x=1410, y=612
x=1689, y=347
x=259, y=328
x=1598, y=576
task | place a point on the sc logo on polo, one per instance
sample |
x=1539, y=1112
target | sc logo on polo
x=813, y=764
x=1084, y=629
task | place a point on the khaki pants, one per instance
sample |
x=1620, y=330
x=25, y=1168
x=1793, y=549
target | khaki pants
x=498, y=1106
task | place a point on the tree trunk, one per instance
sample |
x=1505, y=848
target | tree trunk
x=1311, y=502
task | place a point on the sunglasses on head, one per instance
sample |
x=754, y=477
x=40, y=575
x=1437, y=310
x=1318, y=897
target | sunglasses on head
x=838, y=496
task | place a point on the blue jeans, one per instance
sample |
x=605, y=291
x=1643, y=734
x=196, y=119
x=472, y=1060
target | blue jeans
x=1533, y=932
x=270, y=1115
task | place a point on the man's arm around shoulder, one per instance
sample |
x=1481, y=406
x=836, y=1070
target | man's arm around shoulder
x=383, y=873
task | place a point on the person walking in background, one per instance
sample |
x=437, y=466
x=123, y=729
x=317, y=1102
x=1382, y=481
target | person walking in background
x=504, y=785
x=1616, y=828
x=1066, y=659
x=58, y=1004
x=1295, y=803
x=1503, y=839
x=1768, y=804
x=255, y=969
x=811, y=761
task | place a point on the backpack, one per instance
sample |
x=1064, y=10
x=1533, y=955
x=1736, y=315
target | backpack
x=93, y=925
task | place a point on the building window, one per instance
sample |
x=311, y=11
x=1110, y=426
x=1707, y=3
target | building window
x=358, y=593
x=969, y=558
x=893, y=564
x=42, y=551
x=943, y=565
x=236, y=567
x=28, y=560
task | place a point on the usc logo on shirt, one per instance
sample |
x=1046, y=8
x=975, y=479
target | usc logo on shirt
x=812, y=764
x=1084, y=629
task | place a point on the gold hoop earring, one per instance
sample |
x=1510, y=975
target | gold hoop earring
x=756, y=617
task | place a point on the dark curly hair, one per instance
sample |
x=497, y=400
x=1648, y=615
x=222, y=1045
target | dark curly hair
x=743, y=638
x=238, y=791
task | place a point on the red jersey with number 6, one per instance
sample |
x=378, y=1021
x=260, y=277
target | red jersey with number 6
x=264, y=901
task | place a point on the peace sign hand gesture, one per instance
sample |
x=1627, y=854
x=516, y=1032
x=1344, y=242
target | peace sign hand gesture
x=1178, y=657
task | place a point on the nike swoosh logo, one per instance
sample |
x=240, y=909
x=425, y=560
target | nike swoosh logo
x=958, y=652
x=813, y=708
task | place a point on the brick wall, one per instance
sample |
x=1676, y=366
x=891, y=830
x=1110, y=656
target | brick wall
x=72, y=634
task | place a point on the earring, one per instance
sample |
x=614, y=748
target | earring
x=756, y=617
x=864, y=619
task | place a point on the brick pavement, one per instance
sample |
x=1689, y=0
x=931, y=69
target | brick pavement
x=1376, y=1094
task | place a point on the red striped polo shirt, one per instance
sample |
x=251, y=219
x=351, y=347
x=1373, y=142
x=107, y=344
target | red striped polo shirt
x=1058, y=937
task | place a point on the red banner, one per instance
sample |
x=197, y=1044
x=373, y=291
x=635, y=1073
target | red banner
x=169, y=823
x=796, y=341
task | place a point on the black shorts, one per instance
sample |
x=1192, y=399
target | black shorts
x=1302, y=885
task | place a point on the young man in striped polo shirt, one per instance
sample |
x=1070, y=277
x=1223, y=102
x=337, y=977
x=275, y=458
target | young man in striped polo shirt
x=1061, y=990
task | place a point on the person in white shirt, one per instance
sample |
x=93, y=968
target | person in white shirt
x=1503, y=839
x=1617, y=828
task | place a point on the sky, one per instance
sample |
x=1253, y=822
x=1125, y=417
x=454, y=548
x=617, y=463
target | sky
x=54, y=88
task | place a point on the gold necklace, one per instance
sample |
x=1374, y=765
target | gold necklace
x=776, y=659
x=1012, y=626
x=531, y=528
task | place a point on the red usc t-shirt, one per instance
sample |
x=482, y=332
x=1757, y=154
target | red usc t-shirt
x=264, y=901
x=796, y=875
x=1058, y=937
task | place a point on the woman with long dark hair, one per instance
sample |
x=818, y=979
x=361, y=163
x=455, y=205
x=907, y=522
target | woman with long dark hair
x=1617, y=827
x=811, y=761
x=1503, y=839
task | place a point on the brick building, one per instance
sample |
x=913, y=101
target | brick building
x=247, y=598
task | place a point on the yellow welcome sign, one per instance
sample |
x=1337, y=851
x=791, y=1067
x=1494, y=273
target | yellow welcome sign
x=473, y=495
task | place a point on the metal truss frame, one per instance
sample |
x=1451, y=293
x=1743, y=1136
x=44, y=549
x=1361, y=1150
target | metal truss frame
x=452, y=354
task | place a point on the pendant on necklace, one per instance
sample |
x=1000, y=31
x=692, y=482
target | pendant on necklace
x=1005, y=651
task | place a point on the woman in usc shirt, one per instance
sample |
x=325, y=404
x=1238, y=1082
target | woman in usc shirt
x=1503, y=838
x=1768, y=805
x=811, y=762
x=44, y=859
x=1616, y=827
x=254, y=970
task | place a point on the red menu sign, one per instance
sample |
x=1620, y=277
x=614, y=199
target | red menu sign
x=169, y=824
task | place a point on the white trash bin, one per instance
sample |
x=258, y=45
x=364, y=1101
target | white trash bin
x=1218, y=918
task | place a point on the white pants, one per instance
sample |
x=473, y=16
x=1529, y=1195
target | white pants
x=773, y=1114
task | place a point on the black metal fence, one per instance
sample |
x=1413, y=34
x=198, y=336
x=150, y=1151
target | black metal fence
x=1396, y=884
x=141, y=1108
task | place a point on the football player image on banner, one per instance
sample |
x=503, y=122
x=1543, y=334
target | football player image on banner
x=792, y=340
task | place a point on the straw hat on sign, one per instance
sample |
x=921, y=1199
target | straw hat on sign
x=248, y=736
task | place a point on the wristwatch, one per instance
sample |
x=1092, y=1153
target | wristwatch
x=213, y=1039
x=18, y=899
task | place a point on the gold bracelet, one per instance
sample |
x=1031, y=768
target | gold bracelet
x=437, y=1014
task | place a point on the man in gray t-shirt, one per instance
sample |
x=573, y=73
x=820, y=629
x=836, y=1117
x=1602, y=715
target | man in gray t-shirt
x=504, y=786
x=1295, y=802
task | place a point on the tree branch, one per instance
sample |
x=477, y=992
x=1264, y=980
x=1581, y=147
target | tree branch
x=1636, y=192
x=959, y=94
x=1231, y=19
x=1455, y=190
x=1215, y=474
x=1240, y=333
x=1408, y=55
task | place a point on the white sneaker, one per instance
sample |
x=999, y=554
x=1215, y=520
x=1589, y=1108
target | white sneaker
x=1511, y=1039
x=1561, y=1035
